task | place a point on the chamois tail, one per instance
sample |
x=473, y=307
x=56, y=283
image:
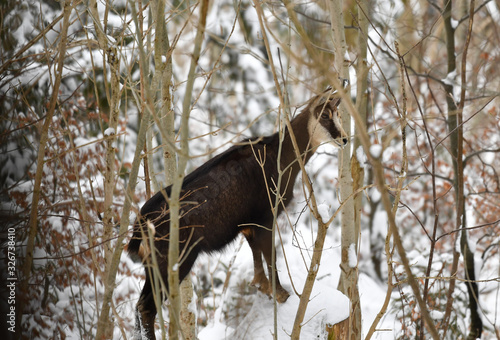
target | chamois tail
x=134, y=248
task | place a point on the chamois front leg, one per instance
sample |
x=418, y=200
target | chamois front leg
x=266, y=247
x=259, y=279
x=260, y=241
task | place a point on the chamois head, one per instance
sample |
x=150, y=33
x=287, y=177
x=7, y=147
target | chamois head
x=324, y=124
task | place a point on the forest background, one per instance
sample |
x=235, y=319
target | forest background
x=103, y=102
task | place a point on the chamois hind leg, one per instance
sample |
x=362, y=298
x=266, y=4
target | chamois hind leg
x=187, y=262
x=259, y=280
x=266, y=244
x=145, y=313
x=146, y=307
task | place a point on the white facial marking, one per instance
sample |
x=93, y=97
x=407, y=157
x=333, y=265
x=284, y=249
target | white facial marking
x=338, y=125
x=317, y=132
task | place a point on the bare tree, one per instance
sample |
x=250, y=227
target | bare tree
x=348, y=283
x=183, y=156
x=33, y=220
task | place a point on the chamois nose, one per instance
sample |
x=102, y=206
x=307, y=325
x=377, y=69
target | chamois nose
x=344, y=140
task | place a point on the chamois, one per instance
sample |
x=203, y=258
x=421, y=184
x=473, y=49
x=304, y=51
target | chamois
x=229, y=194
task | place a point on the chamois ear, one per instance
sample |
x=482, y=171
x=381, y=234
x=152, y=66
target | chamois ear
x=328, y=95
x=331, y=94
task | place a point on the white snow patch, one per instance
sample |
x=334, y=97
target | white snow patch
x=324, y=212
x=488, y=157
x=326, y=307
x=450, y=78
x=109, y=132
x=376, y=150
x=39, y=257
x=375, y=194
x=494, y=10
x=372, y=295
x=361, y=156
x=215, y=330
x=437, y=315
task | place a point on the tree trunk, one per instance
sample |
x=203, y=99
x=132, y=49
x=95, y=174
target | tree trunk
x=348, y=283
x=455, y=128
x=476, y=326
x=33, y=221
x=112, y=269
x=187, y=313
x=174, y=204
x=113, y=96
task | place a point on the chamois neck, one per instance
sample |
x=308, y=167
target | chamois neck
x=301, y=132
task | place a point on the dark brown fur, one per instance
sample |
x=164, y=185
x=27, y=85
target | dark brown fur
x=229, y=194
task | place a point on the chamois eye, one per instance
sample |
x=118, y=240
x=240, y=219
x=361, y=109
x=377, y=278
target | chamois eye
x=325, y=116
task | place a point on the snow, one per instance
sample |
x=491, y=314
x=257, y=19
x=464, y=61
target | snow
x=324, y=308
x=361, y=156
x=451, y=78
x=488, y=157
x=376, y=150
x=215, y=330
x=327, y=305
x=39, y=257
x=494, y=10
x=324, y=212
x=372, y=294
x=109, y=132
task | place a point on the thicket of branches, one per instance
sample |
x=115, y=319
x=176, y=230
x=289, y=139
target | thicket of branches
x=102, y=103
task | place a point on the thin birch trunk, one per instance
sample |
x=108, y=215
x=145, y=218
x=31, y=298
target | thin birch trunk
x=110, y=53
x=111, y=59
x=163, y=62
x=174, y=204
x=112, y=269
x=146, y=79
x=349, y=275
x=187, y=314
x=357, y=169
x=124, y=223
x=33, y=221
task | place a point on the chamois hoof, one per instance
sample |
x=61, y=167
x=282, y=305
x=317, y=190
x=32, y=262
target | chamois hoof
x=281, y=295
x=266, y=288
x=261, y=283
